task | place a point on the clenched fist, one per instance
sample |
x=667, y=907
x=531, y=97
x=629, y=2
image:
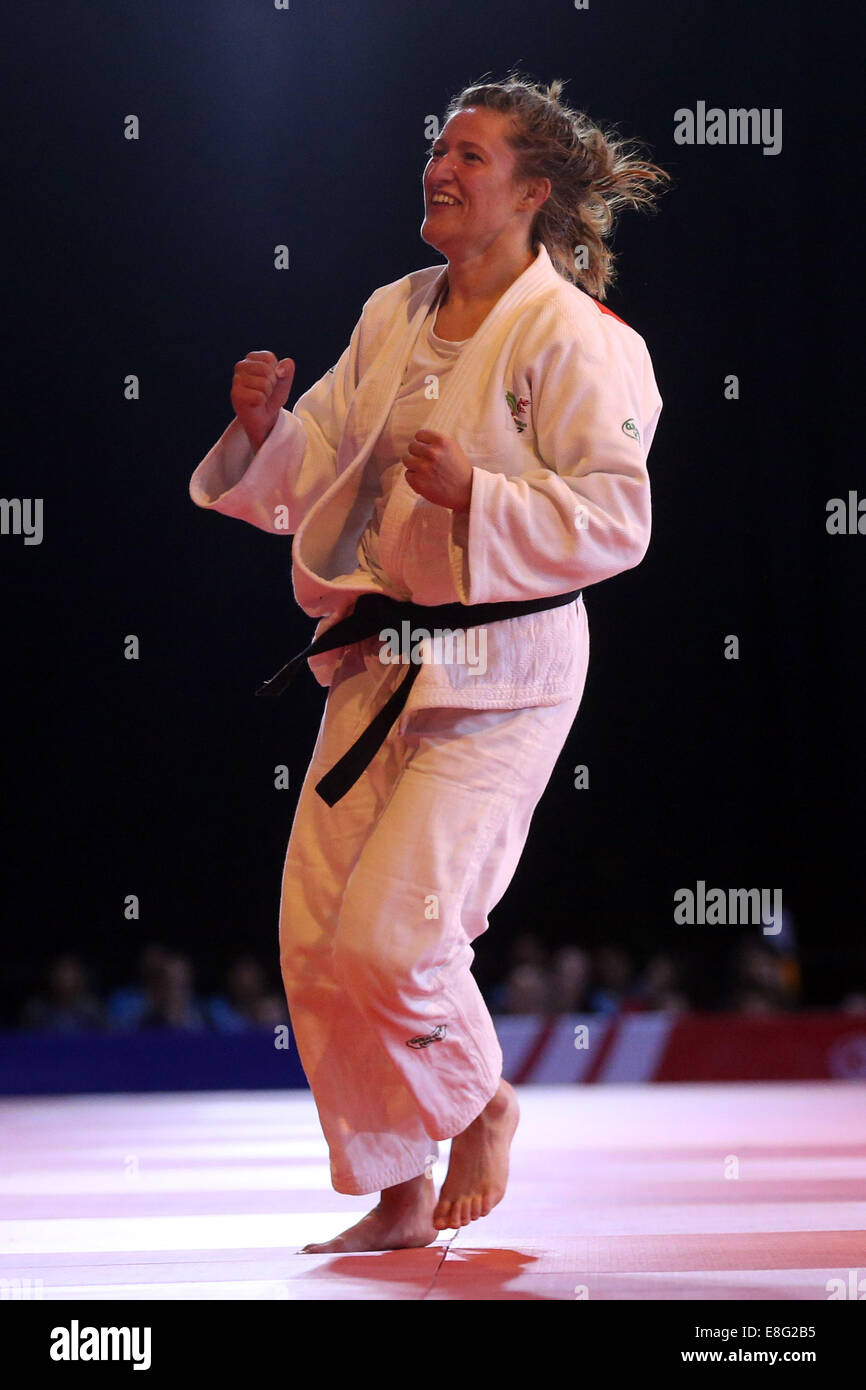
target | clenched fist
x=438, y=469
x=260, y=389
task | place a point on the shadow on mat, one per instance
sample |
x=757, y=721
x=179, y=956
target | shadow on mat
x=467, y=1272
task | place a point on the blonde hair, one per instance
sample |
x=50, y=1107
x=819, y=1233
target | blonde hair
x=592, y=172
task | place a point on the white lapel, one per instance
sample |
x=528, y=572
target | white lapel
x=535, y=281
x=325, y=524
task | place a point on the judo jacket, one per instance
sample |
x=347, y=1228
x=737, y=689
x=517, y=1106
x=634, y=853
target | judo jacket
x=555, y=403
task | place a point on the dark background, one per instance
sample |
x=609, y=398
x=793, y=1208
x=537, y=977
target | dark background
x=155, y=257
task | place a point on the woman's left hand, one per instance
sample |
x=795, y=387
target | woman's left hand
x=438, y=469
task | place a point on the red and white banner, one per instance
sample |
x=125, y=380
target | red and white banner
x=682, y=1047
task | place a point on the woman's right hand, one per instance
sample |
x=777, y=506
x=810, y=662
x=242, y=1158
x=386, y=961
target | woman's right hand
x=260, y=389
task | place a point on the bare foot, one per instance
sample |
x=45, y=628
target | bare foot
x=478, y=1166
x=401, y=1221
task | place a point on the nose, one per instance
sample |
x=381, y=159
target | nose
x=443, y=182
x=442, y=172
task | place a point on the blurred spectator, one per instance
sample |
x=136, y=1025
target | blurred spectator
x=612, y=971
x=570, y=982
x=67, y=1006
x=764, y=979
x=247, y=1002
x=528, y=949
x=659, y=987
x=784, y=945
x=761, y=983
x=170, y=999
x=574, y=982
x=527, y=990
x=128, y=1005
x=528, y=963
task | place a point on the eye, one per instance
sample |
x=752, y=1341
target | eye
x=435, y=153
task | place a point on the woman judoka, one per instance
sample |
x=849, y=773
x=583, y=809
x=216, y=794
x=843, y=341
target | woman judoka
x=478, y=453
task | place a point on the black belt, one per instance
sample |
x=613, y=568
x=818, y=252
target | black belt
x=372, y=613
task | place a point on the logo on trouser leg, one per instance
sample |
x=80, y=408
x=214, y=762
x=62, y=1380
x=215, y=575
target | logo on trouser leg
x=436, y=1036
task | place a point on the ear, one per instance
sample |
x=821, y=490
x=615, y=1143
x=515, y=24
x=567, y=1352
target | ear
x=536, y=193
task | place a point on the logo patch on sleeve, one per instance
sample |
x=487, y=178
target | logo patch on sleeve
x=630, y=428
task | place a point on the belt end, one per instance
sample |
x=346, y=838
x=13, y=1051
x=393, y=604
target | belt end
x=273, y=687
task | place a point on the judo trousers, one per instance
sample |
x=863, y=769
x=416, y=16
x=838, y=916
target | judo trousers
x=382, y=895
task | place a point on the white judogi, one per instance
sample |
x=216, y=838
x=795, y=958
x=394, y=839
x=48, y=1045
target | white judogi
x=560, y=493
x=384, y=891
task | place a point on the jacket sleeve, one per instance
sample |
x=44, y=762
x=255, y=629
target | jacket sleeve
x=274, y=488
x=585, y=515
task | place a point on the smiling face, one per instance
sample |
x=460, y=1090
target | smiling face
x=469, y=196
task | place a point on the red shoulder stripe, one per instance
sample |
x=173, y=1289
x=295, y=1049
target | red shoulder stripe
x=604, y=309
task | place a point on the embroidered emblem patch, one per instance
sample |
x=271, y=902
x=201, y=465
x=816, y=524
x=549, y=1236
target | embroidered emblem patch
x=436, y=1036
x=629, y=427
x=518, y=407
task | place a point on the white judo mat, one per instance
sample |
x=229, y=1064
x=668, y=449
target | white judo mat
x=752, y=1191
